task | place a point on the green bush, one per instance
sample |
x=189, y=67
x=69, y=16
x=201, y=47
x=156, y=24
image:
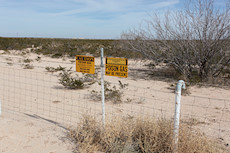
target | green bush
x=75, y=82
x=70, y=82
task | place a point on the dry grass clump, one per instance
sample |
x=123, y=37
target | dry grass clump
x=138, y=135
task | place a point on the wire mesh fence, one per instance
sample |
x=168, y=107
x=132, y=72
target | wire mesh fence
x=36, y=92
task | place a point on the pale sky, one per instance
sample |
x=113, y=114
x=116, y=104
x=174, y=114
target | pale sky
x=91, y=19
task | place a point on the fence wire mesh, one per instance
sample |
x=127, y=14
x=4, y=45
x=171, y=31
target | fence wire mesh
x=27, y=88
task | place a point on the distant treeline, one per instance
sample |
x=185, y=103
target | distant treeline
x=71, y=47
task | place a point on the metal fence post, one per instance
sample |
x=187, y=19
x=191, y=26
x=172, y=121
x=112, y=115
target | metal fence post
x=102, y=88
x=180, y=85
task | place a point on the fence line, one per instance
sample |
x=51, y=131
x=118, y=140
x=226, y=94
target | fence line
x=37, y=92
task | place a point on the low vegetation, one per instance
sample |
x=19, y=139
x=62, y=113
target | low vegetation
x=52, y=69
x=70, y=81
x=71, y=47
x=113, y=94
x=119, y=48
x=137, y=135
x=28, y=66
x=27, y=60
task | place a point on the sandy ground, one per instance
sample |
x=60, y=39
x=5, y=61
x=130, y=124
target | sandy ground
x=36, y=109
x=21, y=134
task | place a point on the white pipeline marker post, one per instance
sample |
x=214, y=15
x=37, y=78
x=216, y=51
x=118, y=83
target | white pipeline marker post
x=180, y=85
x=102, y=88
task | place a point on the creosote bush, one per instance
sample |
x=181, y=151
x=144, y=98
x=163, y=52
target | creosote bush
x=137, y=135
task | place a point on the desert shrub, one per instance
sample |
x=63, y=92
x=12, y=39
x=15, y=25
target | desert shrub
x=70, y=82
x=137, y=135
x=113, y=93
x=90, y=78
x=75, y=82
x=28, y=66
x=60, y=68
x=27, y=60
x=196, y=48
x=52, y=69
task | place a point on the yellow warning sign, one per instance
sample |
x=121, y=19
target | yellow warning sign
x=116, y=67
x=85, y=64
x=121, y=61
